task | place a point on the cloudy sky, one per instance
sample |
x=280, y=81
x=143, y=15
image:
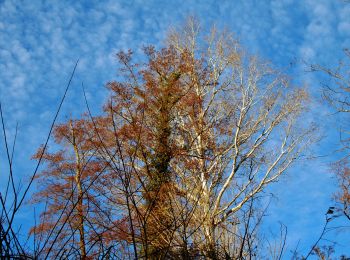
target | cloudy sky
x=41, y=40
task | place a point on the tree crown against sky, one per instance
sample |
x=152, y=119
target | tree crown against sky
x=188, y=142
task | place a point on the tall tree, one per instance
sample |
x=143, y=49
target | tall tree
x=210, y=127
x=144, y=108
x=74, y=221
x=188, y=141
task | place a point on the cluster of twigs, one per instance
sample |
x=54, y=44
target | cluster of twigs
x=11, y=245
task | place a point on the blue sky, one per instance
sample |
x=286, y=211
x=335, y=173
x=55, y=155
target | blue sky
x=41, y=40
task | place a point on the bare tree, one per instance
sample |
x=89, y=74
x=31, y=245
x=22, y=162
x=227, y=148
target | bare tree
x=337, y=94
x=244, y=133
